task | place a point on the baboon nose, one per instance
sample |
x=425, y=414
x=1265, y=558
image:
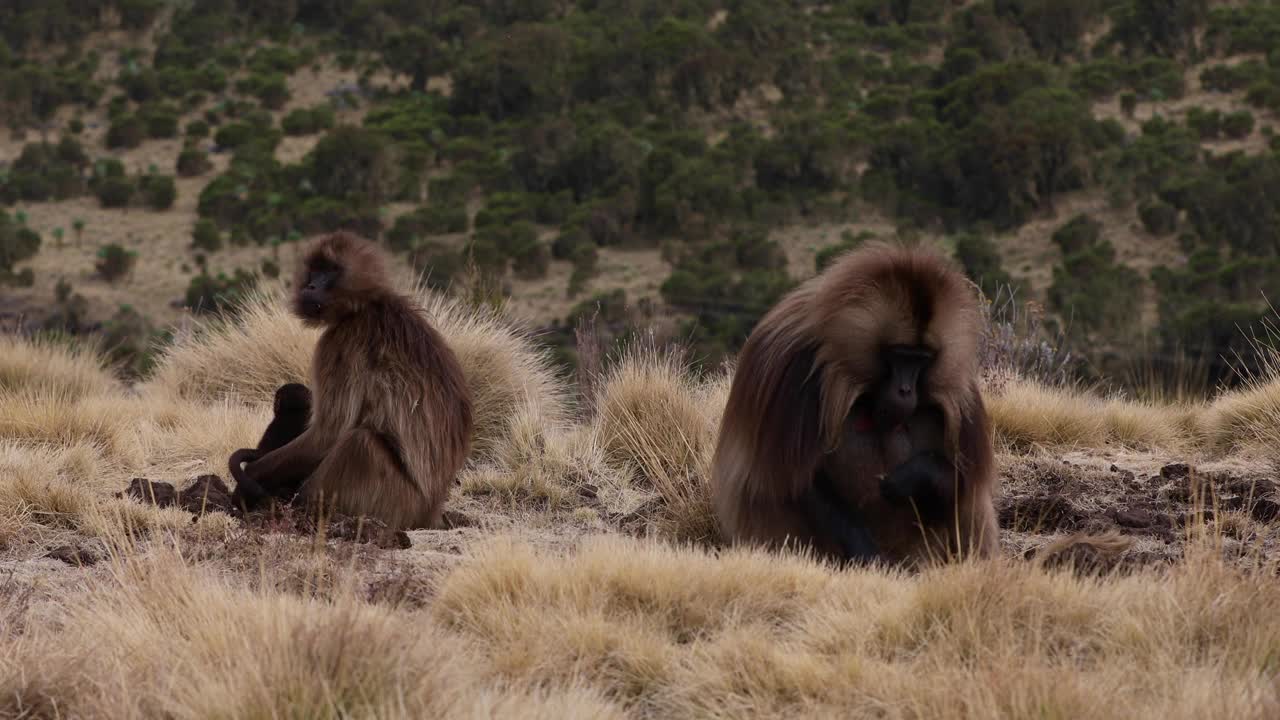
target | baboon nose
x=904, y=390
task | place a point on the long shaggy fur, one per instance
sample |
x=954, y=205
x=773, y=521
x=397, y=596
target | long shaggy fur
x=391, y=418
x=799, y=374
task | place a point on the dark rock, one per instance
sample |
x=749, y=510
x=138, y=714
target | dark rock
x=79, y=555
x=1134, y=518
x=161, y=494
x=207, y=493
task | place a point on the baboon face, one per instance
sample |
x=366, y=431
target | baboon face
x=316, y=294
x=292, y=397
x=897, y=393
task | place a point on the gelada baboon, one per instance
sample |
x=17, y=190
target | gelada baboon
x=291, y=409
x=391, y=417
x=854, y=424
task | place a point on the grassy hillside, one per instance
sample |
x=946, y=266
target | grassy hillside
x=674, y=164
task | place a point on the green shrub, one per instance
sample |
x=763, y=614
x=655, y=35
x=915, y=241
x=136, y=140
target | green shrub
x=161, y=122
x=1237, y=125
x=436, y=264
x=323, y=214
x=1090, y=289
x=531, y=261
x=981, y=262
x=412, y=227
x=114, y=262
x=158, y=191
x=215, y=294
x=206, y=236
x=17, y=243
x=126, y=131
x=192, y=161
x=1128, y=104
x=198, y=129
x=1158, y=217
x=114, y=192
x=128, y=340
x=44, y=172
x=233, y=135
x=271, y=89
x=1207, y=124
x=305, y=121
x=356, y=165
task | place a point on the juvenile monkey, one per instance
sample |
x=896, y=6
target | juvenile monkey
x=291, y=410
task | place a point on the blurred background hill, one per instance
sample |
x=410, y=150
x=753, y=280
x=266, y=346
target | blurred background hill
x=1108, y=166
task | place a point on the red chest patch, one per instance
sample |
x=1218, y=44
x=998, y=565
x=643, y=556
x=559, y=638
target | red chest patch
x=862, y=423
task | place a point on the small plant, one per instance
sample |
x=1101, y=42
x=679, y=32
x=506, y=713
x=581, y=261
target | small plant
x=1237, y=125
x=1128, y=104
x=159, y=191
x=114, y=191
x=1158, y=217
x=206, y=236
x=78, y=226
x=57, y=237
x=193, y=161
x=114, y=262
x=126, y=131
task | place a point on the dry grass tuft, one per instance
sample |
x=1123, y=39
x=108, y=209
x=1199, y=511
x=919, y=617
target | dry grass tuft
x=54, y=418
x=681, y=633
x=50, y=495
x=1245, y=419
x=74, y=371
x=652, y=416
x=156, y=640
x=508, y=374
x=242, y=359
x=1026, y=413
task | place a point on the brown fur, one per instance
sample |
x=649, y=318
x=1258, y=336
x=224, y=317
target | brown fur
x=798, y=376
x=391, y=418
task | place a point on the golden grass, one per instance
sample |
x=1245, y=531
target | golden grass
x=74, y=371
x=160, y=639
x=625, y=628
x=653, y=419
x=1026, y=413
x=681, y=633
x=564, y=615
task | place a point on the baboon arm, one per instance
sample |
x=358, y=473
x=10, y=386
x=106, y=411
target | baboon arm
x=298, y=458
x=833, y=518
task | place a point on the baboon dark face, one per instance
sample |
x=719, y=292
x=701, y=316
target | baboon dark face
x=897, y=394
x=315, y=295
x=291, y=398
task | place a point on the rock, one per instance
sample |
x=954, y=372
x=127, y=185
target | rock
x=1134, y=518
x=1265, y=510
x=83, y=554
x=160, y=494
x=207, y=493
x=1175, y=471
